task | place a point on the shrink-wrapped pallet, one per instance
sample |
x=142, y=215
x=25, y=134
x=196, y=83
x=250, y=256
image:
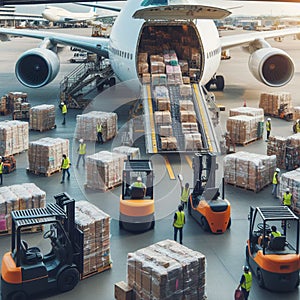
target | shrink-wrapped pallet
x=189, y=127
x=242, y=129
x=296, y=112
x=247, y=111
x=277, y=146
x=159, y=79
x=19, y=197
x=166, y=130
x=42, y=117
x=291, y=180
x=162, y=118
x=185, y=90
x=14, y=136
x=276, y=103
x=167, y=270
x=188, y=116
x=168, y=143
x=45, y=155
x=161, y=92
x=104, y=170
x=95, y=225
x=192, y=141
x=86, y=125
x=131, y=152
x=249, y=170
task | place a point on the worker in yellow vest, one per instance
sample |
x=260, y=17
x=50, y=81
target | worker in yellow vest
x=99, y=133
x=1, y=170
x=245, y=282
x=275, y=182
x=81, y=153
x=268, y=128
x=287, y=198
x=64, y=111
x=178, y=223
x=65, y=165
x=185, y=193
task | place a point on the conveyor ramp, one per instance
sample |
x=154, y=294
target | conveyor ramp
x=203, y=115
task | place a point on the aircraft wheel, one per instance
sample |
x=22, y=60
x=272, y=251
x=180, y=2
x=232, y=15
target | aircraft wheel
x=260, y=278
x=207, y=86
x=204, y=224
x=112, y=81
x=229, y=223
x=19, y=295
x=68, y=279
x=220, y=83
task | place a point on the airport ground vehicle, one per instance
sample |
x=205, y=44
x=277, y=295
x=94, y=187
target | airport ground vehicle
x=205, y=205
x=9, y=164
x=274, y=261
x=25, y=270
x=136, y=204
x=79, y=57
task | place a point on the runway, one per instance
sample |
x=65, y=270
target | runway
x=225, y=253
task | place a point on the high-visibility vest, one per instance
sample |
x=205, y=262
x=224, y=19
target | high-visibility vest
x=138, y=184
x=287, y=199
x=275, y=233
x=64, y=109
x=1, y=167
x=66, y=163
x=82, y=148
x=268, y=126
x=248, y=281
x=185, y=194
x=297, y=127
x=99, y=128
x=275, y=178
x=179, y=220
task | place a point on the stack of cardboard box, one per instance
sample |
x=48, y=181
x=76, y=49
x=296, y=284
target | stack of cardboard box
x=131, y=152
x=275, y=103
x=42, y=117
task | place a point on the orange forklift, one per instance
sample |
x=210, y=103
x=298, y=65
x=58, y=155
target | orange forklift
x=9, y=164
x=274, y=260
x=137, y=203
x=205, y=203
x=26, y=271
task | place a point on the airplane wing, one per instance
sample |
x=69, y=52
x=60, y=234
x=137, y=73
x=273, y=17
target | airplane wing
x=245, y=39
x=102, y=6
x=98, y=46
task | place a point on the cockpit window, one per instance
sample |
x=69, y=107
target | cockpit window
x=154, y=2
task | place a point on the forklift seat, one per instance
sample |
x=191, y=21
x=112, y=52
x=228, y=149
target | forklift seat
x=137, y=193
x=277, y=243
x=30, y=255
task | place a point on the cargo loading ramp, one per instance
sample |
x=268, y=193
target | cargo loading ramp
x=210, y=142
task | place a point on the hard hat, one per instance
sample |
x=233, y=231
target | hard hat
x=81, y=141
x=269, y=119
x=139, y=179
x=62, y=103
x=246, y=268
x=287, y=190
x=0, y=157
x=277, y=170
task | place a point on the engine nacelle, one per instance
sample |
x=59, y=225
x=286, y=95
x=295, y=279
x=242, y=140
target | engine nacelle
x=37, y=67
x=271, y=66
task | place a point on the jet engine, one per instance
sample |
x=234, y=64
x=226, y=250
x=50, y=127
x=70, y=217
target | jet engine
x=37, y=67
x=271, y=66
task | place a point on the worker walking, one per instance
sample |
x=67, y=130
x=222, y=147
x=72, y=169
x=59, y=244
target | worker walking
x=64, y=111
x=287, y=198
x=1, y=170
x=275, y=182
x=268, y=128
x=99, y=133
x=185, y=193
x=81, y=153
x=178, y=223
x=245, y=282
x=65, y=165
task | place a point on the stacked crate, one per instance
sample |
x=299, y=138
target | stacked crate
x=143, y=66
x=275, y=103
x=17, y=197
x=45, y=155
x=291, y=180
x=42, y=117
x=95, y=225
x=167, y=270
x=157, y=65
x=104, y=170
x=14, y=137
x=249, y=170
x=296, y=112
x=86, y=125
x=3, y=106
x=243, y=129
x=131, y=152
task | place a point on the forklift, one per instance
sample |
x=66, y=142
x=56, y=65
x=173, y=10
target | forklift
x=275, y=261
x=27, y=271
x=9, y=164
x=137, y=203
x=205, y=204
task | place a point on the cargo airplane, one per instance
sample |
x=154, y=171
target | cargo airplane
x=149, y=22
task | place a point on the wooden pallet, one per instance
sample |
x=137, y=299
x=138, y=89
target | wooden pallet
x=36, y=228
x=43, y=130
x=86, y=186
x=247, y=187
x=248, y=142
x=99, y=270
x=47, y=174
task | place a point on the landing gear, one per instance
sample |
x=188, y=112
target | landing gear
x=218, y=81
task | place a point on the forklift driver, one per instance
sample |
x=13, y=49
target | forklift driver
x=138, y=188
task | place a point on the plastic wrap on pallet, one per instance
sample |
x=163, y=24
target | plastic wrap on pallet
x=131, y=152
x=249, y=170
x=95, y=225
x=42, y=117
x=104, y=170
x=14, y=137
x=86, y=125
x=45, y=155
x=247, y=111
x=161, y=92
x=167, y=270
x=276, y=103
x=193, y=141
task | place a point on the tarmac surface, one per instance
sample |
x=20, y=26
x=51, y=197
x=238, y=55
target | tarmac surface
x=225, y=253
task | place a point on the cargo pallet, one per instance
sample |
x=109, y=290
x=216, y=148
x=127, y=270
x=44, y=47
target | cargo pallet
x=99, y=270
x=34, y=229
x=44, y=129
x=46, y=174
x=287, y=117
x=248, y=142
x=247, y=187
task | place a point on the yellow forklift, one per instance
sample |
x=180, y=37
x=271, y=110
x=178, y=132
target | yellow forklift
x=26, y=271
x=137, y=202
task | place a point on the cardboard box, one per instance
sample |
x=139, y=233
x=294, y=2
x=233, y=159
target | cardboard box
x=123, y=291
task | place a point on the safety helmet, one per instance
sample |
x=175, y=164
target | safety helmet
x=139, y=178
x=287, y=190
x=269, y=119
x=81, y=141
x=246, y=268
x=61, y=103
x=0, y=157
x=277, y=170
